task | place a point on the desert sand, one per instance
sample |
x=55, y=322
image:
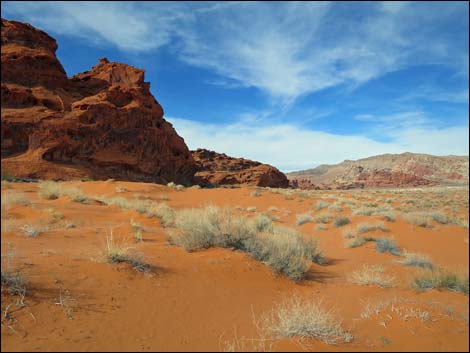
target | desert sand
x=215, y=299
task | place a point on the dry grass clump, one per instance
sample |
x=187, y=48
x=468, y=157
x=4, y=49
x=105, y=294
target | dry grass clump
x=284, y=250
x=13, y=282
x=303, y=218
x=369, y=274
x=320, y=227
x=138, y=229
x=416, y=260
x=383, y=245
x=162, y=211
x=273, y=209
x=121, y=189
x=251, y=209
x=366, y=227
x=419, y=219
x=30, y=230
x=10, y=199
x=442, y=280
x=364, y=211
x=255, y=193
x=53, y=190
x=302, y=318
x=119, y=252
x=323, y=218
x=50, y=190
x=340, y=221
x=388, y=216
x=355, y=242
x=320, y=205
x=177, y=187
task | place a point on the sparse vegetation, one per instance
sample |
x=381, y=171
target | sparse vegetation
x=284, y=250
x=383, y=245
x=416, y=260
x=366, y=227
x=303, y=218
x=369, y=274
x=324, y=218
x=305, y=319
x=30, y=230
x=53, y=190
x=442, y=280
x=119, y=253
x=321, y=205
x=340, y=221
x=255, y=193
x=121, y=189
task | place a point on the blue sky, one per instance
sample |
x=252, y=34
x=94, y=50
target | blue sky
x=291, y=84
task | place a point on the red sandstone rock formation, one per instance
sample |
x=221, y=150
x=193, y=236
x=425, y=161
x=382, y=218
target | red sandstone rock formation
x=220, y=169
x=103, y=123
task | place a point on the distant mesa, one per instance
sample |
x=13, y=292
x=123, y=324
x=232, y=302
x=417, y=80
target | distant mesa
x=388, y=170
x=215, y=169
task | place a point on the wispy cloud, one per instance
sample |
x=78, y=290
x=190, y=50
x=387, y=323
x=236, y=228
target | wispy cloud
x=286, y=49
x=290, y=147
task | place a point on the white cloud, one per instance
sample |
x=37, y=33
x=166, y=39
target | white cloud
x=289, y=147
x=285, y=49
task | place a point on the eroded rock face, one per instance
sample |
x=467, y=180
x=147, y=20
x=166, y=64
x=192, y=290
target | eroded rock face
x=103, y=123
x=219, y=169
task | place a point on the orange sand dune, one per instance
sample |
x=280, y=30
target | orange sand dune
x=207, y=299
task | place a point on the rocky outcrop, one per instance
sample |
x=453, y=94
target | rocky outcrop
x=219, y=169
x=103, y=123
x=390, y=170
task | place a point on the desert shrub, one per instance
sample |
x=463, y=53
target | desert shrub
x=371, y=275
x=366, y=227
x=355, y=242
x=383, y=245
x=305, y=319
x=389, y=216
x=162, y=211
x=255, y=193
x=137, y=229
x=13, y=283
x=251, y=209
x=441, y=280
x=119, y=253
x=273, y=209
x=324, y=218
x=282, y=249
x=418, y=219
x=335, y=207
x=30, y=231
x=177, y=187
x=320, y=205
x=320, y=227
x=341, y=221
x=50, y=190
x=415, y=259
x=262, y=222
x=121, y=189
x=364, y=211
x=440, y=218
x=303, y=218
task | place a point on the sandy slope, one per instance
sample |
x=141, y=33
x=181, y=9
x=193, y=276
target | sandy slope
x=199, y=301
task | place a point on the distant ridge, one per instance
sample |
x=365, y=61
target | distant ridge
x=386, y=170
